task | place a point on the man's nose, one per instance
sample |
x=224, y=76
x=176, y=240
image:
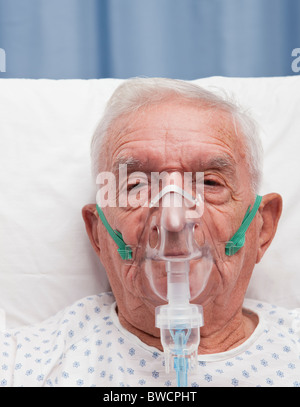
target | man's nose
x=173, y=213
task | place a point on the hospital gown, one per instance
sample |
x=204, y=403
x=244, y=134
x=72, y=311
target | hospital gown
x=85, y=345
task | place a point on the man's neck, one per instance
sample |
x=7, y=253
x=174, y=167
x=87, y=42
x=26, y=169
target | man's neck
x=236, y=331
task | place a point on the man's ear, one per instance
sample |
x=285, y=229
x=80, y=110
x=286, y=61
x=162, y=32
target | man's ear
x=90, y=217
x=270, y=210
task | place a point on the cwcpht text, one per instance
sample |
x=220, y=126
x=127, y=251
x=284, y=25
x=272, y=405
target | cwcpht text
x=171, y=395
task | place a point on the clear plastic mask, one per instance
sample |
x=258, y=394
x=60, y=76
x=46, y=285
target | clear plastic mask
x=174, y=239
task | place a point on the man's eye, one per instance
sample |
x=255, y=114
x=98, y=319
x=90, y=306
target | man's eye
x=132, y=186
x=211, y=183
x=135, y=185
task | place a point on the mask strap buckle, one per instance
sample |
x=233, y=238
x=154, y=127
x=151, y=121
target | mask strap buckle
x=123, y=249
x=238, y=239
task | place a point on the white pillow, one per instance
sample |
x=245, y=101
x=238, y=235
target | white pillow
x=46, y=261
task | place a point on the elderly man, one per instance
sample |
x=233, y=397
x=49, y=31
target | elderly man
x=160, y=126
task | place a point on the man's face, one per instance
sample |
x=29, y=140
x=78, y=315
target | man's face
x=177, y=136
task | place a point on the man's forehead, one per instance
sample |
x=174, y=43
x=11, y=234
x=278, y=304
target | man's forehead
x=177, y=114
x=142, y=134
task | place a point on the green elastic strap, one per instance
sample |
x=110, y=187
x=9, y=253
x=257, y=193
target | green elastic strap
x=124, y=250
x=238, y=239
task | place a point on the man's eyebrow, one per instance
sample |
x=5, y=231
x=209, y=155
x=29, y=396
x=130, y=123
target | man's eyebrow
x=131, y=163
x=222, y=163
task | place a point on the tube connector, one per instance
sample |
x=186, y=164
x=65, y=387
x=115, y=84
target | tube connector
x=180, y=334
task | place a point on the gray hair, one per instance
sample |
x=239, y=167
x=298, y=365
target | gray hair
x=136, y=93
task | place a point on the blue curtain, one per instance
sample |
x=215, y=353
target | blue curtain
x=185, y=39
